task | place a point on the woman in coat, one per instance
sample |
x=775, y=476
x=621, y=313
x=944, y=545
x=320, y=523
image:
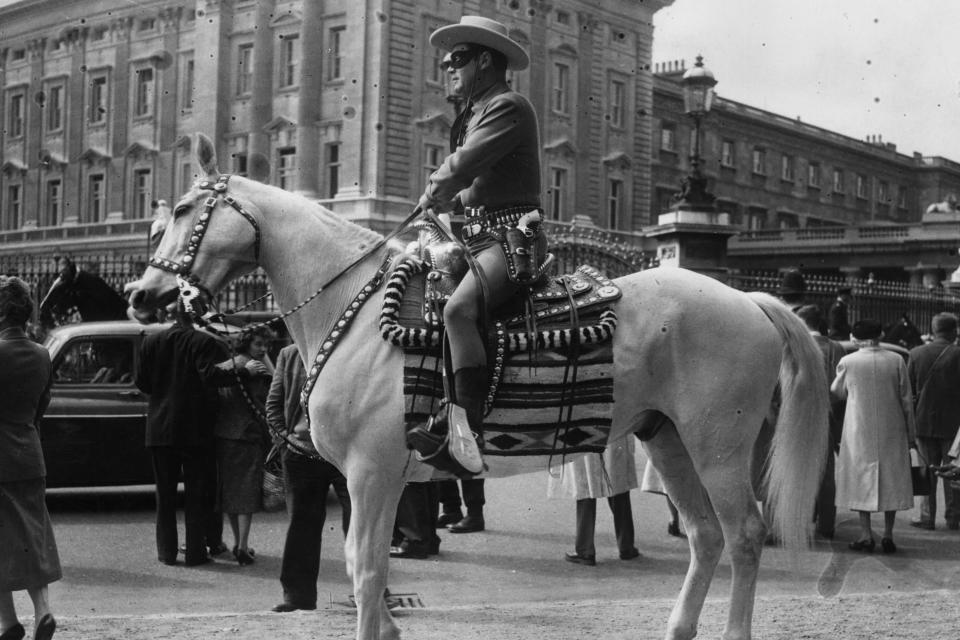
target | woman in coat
x=240, y=441
x=28, y=551
x=873, y=467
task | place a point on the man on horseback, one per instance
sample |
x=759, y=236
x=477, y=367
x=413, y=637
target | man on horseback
x=490, y=182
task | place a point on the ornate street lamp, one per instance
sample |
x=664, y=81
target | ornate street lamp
x=698, y=83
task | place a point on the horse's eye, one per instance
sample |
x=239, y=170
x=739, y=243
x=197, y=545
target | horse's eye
x=181, y=211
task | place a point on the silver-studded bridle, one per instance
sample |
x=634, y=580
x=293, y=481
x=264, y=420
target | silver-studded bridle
x=183, y=269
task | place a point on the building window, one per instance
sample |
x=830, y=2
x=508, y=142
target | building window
x=862, y=186
x=98, y=99
x=18, y=55
x=14, y=206
x=54, y=107
x=244, y=70
x=668, y=137
x=186, y=177
x=432, y=157
x=15, y=115
x=561, y=88
x=287, y=168
x=142, y=193
x=786, y=168
x=144, y=92
x=563, y=18
x=727, y=154
x=756, y=218
x=98, y=33
x=838, y=181
x=558, y=193
x=434, y=72
x=54, y=203
x=96, y=199
x=187, y=84
x=902, y=197
x=787, y=220
x=759, y=161
x=335, y=54
x=614, y=202
x=617, y=95
x=289, y=60
x=883, y=192
x=147, y=24
x=813, y=175
x=513, y=80
x=333, y=169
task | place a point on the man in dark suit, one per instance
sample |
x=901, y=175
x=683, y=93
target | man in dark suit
x=838, y=317
x=177, y=369
x=934, y=371
x=832, y=351
x=306, y=481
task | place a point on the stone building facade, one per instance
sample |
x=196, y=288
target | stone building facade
x=339, y=100
x=769, y=171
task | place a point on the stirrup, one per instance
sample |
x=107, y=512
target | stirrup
x=462, y=443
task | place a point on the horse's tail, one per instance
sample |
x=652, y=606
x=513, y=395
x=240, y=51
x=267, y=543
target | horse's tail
x=794, y=465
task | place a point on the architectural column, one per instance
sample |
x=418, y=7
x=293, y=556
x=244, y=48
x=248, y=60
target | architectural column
x=584, y=175
x=119, y=109
x=261, y=100
x=33, y=184
x=74, y=189
x=212, y=72
x=308, y=109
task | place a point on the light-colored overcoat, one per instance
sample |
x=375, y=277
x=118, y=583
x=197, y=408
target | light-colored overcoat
x=596, y=476
x=873, y=467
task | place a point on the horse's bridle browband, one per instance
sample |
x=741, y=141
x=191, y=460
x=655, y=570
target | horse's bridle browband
x=200, y=229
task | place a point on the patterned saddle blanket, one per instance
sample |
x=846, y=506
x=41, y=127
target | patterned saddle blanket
x=535, y=406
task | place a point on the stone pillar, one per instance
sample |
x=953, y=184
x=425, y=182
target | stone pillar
x=312, y=62
x=694, y=240
x=212, y=72
x=261, y=101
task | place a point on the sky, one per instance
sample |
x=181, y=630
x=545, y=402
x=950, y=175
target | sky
x=857, y=67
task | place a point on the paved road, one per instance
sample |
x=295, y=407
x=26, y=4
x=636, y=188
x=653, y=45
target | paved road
x=110, y=567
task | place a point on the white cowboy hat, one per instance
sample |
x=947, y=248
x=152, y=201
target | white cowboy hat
x=484, y=32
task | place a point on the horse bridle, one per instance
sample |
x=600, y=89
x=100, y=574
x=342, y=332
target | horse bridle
x=183, y=269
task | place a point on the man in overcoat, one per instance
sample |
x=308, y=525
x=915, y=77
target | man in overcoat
x=934, y=371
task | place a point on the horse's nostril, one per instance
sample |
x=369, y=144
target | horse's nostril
x=136, y=298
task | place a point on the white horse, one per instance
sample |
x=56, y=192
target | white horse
x=706, y=361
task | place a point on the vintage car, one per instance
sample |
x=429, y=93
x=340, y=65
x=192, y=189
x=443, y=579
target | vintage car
x=93, y=432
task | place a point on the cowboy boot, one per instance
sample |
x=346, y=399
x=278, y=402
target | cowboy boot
x=466, y=417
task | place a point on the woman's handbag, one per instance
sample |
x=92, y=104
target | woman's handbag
x=919, y=474
x=274, y=493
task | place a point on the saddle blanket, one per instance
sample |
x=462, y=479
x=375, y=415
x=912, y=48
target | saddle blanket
x=526, y=418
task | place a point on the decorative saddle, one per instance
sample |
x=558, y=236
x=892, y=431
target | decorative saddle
x=551, y=386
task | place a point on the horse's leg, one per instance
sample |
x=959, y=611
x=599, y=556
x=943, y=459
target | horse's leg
x=732, y=497
x=374, y=487
x=670, y=458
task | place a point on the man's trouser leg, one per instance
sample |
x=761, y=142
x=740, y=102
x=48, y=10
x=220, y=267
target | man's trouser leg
x=166, y=473
x=826, y=509
x=449, y=495
x=473, y=496
x=414, y=513
x=213, y=532
x=586, y=523
x=306, y=484
x=930, y=451
x=622, y=521
x=196, y=513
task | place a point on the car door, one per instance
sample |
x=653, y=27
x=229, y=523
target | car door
x=93, y=430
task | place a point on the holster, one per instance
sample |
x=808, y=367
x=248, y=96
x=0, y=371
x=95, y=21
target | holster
x=525, y=251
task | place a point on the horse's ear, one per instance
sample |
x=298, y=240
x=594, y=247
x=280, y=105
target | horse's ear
x=258, y=167
x=207, y=155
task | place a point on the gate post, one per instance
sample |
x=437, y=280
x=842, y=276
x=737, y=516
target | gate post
x=695, y=240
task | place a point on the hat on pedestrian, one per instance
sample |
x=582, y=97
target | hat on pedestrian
x=792, y=283
x=867, y=329
x=484, y=32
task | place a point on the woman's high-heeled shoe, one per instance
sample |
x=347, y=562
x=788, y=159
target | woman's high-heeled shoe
x=16, y=632
x=863, y=545
x=887, y=545
x=244, y=557
x=45, y=628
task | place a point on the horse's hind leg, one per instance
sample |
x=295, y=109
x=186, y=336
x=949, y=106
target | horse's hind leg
x=374, y=493
x=670, y=458
x=733, y=500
